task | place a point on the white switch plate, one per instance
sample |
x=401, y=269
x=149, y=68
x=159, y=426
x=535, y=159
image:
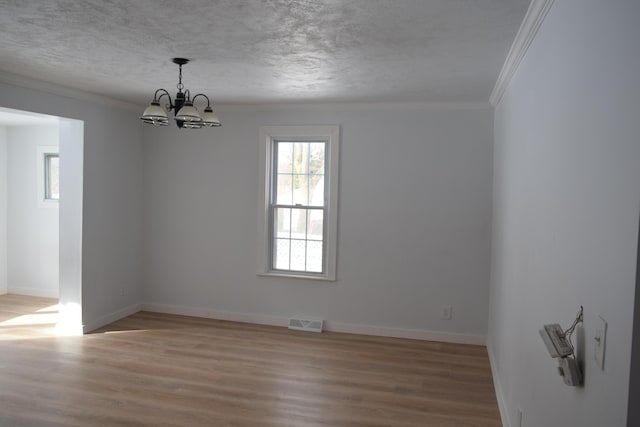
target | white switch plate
x=601, y=341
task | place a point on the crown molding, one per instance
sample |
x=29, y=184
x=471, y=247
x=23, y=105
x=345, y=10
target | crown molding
x=67, y=92
x=353, y=106
x=52, y=88
x=531, y=23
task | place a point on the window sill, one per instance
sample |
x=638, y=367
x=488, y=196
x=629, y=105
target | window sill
x=297, y=276
x=48, y=203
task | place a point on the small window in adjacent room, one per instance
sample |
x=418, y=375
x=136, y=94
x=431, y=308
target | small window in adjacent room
x=48, y=176
x=52, y=176
x=298, y=201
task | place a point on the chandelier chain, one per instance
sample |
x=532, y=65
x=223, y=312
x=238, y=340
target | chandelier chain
x=180, y=86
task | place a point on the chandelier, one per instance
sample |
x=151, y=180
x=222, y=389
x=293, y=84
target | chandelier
x=186, y=115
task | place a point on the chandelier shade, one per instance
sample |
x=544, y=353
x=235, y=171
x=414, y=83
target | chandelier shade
x=154, y=113
x=192, y=125
x=209, y=118
x=186, y=114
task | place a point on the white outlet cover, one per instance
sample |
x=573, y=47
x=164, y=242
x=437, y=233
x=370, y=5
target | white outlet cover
x=446, y=312
x=600, y=341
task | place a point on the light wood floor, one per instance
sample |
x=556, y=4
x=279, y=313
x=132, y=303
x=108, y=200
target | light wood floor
x=163, y=370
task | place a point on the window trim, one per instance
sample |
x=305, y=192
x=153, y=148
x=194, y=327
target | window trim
x=269, y=134
x=41, y=152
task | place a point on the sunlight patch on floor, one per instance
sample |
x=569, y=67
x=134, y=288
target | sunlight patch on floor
x=35, y=322
x=32, y=319
x=51, y=309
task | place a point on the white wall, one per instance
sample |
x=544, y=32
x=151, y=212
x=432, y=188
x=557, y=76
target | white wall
x=426, y=236
x=111, y=207
x=70, y=319
x=414, y=219
x=3, y=210
x=566, y=203
x=32, y=225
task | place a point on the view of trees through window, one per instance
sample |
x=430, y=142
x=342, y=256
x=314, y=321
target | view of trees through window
x=298, y=206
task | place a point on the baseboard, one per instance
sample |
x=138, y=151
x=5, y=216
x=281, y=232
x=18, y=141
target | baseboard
x=33, y=292
x=110, y=318
x=217, y=315
x=502, y=405
x=414, y=334
x=329, y=326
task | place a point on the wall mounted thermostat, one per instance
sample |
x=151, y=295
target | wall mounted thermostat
x=559, y=345
x=555, y=340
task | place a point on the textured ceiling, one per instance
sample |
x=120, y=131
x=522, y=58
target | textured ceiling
x=265, y=51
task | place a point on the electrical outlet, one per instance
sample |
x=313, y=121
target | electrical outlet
x=122, y=291
x=446, y=312
x=601, y=342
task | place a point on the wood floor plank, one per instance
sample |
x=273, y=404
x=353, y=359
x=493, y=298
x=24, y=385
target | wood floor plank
x=153, y=369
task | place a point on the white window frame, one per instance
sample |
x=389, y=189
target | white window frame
x=42, y=152
x=330, y=134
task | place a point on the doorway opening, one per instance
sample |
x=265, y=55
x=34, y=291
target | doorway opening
x=41, y=164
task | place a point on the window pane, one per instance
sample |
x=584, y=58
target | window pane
x=316, y=190
x=298, y=255
x=281, y=254
x=301, y=157
x=285, y=157
x=298, y=223
x=314, y=256
x=284, y=190
x=315, y=224
x=283, y=223
x=301, y=191
x=52, y=178
x=316, y=157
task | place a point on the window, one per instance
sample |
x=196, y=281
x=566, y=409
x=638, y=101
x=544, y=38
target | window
x=298, y=201
x=51, y=176
x=48, y=182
